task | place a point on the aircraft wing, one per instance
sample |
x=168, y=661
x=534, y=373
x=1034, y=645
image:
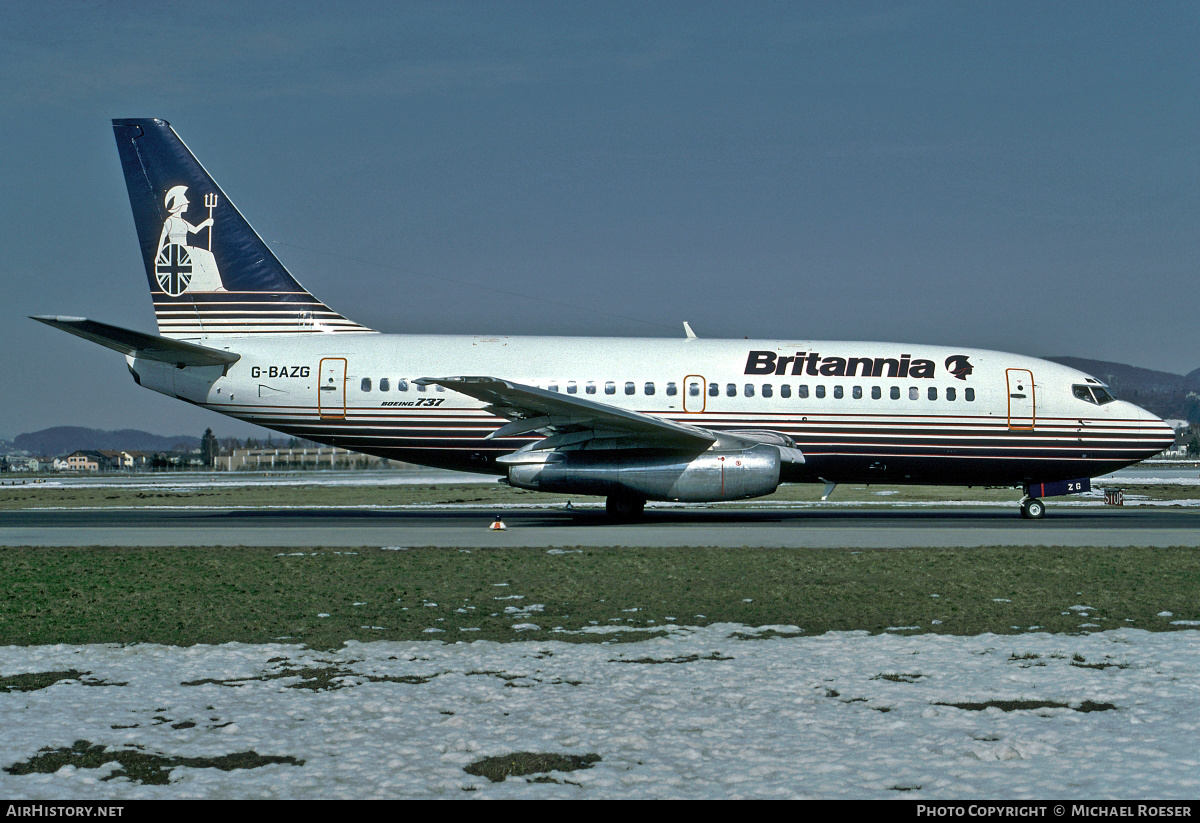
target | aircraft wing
x=537, y=410
x=140, y=344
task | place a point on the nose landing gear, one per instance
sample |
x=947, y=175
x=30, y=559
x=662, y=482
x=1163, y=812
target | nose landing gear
x=1032, y=508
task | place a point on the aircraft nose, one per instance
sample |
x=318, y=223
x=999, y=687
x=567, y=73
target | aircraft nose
x=1151, y=417
x=1156, y=434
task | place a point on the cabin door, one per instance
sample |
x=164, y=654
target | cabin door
x=693, y=394
x=1022, y=407
x=331, y=396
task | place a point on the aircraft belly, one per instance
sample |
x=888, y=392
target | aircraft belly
x=947, y=470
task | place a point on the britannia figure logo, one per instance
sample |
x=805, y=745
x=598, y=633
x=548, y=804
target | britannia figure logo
x=179, y=266
x=959, y=366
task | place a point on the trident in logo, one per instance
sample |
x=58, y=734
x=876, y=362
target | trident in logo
x=210, y=200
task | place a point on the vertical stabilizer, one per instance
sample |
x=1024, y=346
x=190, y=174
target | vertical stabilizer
x=209, y=271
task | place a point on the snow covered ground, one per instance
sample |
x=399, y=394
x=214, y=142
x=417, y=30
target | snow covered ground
x=702, y=712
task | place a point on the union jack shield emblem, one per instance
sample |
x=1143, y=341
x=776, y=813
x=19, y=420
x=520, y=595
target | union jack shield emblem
x=173, y=268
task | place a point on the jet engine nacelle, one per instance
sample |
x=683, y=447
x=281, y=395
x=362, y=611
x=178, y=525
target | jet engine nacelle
x=657, y=475
x=191, y=383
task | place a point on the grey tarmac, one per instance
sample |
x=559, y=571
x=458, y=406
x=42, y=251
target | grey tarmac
x=841, y=527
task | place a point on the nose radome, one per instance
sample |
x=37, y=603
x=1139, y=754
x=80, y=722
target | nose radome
x=1138, y=413
x=1157, y=435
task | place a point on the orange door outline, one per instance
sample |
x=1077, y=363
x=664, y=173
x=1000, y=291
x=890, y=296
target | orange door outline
x=1023, y=413
x=690, y=408
x=331, y=393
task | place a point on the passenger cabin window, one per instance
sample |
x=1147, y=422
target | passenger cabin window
x=876, y=392
x=629, y=387
x=385, y=384
x=914, y=393
x=785, y=390
x=731, y=390
x=366, y=384
x=837, y=392
x=420, y=386
x=802, y=390
x=894, y=393
x=969, y=394
x=402, y=384
x=671, y=390
x=950, y=393
x=590, y=388
x=858, y=392
x=768, y=391
x=714, y=390
x=610, y=387
x=571, y=387
x=749, y=389
x=649, y=387
x=933, y=392
x=552, y=387
x=693, y=389
x=820, y=391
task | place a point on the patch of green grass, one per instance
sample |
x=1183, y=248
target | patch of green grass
x=33, y=681
x=315, y=678
x=184, y=596
x=518, y=764
x=137, y=765
x=1030, y=705
x=687, y=658
x=899, y=677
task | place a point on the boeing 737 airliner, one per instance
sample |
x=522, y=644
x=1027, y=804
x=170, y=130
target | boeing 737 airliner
x=630, y=419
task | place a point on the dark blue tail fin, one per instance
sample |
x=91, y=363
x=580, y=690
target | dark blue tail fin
x=209, y=272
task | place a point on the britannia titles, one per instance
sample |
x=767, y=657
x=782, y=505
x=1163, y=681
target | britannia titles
x=812, y=363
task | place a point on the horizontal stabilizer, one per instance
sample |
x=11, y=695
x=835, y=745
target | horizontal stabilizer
x=140, y=344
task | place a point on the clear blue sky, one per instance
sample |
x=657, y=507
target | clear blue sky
x=1019, y=176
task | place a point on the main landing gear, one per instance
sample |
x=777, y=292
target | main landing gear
x=626, y=507
x=1032, y=508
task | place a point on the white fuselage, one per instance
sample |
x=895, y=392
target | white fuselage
x=859, y=411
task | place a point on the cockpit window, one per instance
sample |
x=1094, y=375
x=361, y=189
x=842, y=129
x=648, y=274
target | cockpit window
x=1092, y=394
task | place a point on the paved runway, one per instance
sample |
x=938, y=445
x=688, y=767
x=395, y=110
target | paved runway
x=840, y=527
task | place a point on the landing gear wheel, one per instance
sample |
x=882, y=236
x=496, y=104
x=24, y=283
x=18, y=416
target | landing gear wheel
x=624, y=507
x=1032, y=508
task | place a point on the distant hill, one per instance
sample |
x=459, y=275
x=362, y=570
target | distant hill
x=61, y=440
x=1173, y=396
